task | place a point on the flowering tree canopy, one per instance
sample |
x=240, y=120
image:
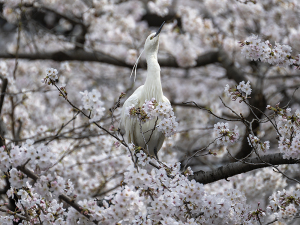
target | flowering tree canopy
x=230, y=69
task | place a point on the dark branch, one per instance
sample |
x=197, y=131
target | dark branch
x=82, y=55
x=3, y=90
x=69, y=55
x=229, y=116
x=235, y=168
x=2, y=125
x=231, y=71
x=70, y=18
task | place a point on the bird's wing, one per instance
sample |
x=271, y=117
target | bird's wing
x=127, y=123
x=165, y=99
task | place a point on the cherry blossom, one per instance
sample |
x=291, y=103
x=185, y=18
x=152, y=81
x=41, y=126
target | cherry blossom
x=232, y=154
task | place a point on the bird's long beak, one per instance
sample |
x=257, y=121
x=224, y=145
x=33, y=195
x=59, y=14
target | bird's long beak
x=159, y=30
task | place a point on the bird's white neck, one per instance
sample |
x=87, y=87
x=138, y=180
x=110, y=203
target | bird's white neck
x=152, y=85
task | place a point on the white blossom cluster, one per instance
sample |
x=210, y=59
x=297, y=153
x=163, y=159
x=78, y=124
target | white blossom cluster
x=257, y=144
x=224, y=135
x=3, y=69
x=290, y=148
x=254, y=49
x=246, y=88
x=151, y=110
x=289, y=129
x=284, y=204
x=160, y=7
x=10, y=14
x=161, y=196
x=39, y=158
x=52, y=186
x=142, y=156
x=94, y=164
x=184, y=46
x=184, y=53
x=257, y=215
x=51, y=75
x=260, y=184
x=92, y=101
x=240, y=92
x=40, y=202
x=39, y=199
x=168, y=197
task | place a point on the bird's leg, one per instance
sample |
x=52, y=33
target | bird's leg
x=155, y=152
x=142, y=133
x=152, y=130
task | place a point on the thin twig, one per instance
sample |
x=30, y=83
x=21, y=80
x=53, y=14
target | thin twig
x=62, y=127
x=102, y=128
x=197, y=151
x=265, y=116
x=229, y=107
x=210, y=112
x=107, y=191
x=14, y=214
x=291, y=98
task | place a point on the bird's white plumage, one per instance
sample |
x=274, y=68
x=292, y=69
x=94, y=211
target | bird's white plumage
x=130, y=127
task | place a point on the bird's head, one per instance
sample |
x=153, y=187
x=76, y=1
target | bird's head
x=150, y=48
x=152, y=41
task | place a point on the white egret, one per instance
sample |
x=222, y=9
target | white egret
x=130, y=127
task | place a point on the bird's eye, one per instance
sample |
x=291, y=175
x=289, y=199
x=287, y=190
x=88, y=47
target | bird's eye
x=151, y=37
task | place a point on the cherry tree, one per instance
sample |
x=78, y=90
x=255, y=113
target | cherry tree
x=230, y=69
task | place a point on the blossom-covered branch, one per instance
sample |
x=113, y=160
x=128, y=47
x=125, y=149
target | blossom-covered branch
x=254, y=49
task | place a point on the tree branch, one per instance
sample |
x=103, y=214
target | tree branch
x=235, y=168
x=3, y=90
x=14, y=214
x=82, y=55
x=2, y=125
x=231, y=71
x=70, y=18
x=69, y=55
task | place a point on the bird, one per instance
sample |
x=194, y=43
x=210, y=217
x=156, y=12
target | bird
x=152, y=88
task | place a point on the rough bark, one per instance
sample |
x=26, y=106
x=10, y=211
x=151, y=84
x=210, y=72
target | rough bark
x=235, y=168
